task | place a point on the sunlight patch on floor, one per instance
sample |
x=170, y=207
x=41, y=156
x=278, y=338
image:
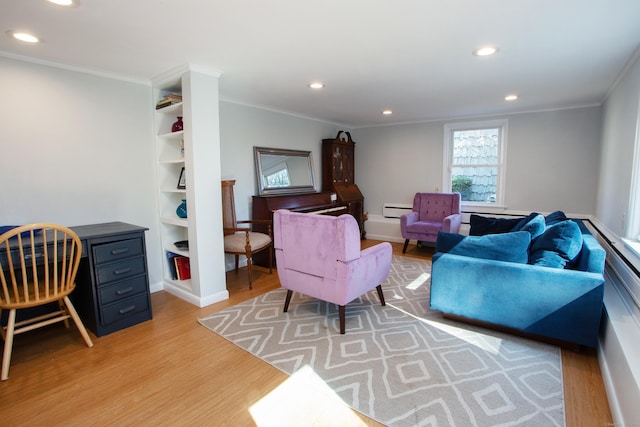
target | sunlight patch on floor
x=419, y=281
x=303, y=399
x=478, y=339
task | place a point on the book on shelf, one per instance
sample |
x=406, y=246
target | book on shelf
x=172, y=265
x=179, y=267
x=167, y=100
x=182, y=267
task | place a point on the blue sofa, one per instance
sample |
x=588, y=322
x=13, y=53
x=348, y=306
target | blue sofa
x=500, y=278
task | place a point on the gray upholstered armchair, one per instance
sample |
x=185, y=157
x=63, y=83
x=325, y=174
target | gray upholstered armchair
x=432, y=212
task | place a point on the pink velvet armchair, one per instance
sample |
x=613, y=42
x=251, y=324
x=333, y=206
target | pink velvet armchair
x=320, y=256
x=432, y=212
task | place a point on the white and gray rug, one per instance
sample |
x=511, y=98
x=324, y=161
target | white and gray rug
x=403, y=364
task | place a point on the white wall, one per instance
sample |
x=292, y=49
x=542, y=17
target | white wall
x=77, y=149
x=619, y=127
x=243, y=127
x=552, y=161
x=621, y=326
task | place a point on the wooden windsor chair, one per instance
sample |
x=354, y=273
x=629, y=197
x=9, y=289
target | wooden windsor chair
x=39, y=266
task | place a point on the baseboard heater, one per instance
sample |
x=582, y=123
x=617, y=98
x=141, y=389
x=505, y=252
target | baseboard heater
x=395, y=210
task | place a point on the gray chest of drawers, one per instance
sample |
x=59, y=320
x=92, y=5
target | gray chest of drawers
x=112, y=290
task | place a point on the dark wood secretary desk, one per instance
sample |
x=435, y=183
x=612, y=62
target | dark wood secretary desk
x=338, y=175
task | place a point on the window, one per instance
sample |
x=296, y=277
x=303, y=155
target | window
x=475, y=160
x=279, y=177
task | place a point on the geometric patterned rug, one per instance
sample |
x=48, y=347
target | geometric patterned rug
x=403, y=364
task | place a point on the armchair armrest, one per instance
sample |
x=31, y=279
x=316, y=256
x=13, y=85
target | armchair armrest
x=266, y=222
x=408, y=219
x=371, y=268
x=451, y=223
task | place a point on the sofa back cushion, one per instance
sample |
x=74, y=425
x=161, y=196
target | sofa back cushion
x=511, y=247
x=481, y=225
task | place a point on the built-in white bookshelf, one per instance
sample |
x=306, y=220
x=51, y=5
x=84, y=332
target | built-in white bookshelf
x=193, y=152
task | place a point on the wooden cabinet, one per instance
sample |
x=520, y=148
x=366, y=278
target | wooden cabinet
x=112, y=290
x=338, y=175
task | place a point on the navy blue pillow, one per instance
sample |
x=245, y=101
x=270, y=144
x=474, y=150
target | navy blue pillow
x=555, y=217
x=511, y=247
x=481, y=225
x=5, y=228
x=559, y=245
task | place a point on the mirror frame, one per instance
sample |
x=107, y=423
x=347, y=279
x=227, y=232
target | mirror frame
x=264, y=190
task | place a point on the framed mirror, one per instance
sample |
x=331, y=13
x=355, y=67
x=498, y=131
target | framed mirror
x=281, y=171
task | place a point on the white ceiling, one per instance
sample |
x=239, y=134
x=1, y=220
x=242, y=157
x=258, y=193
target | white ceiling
x=411, y=56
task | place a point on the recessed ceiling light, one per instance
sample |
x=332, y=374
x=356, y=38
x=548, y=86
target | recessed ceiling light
x=22, y=36
x=387, y=112
x=316, y=85
x=63, y=2
x=512, y=97
x=485, y=51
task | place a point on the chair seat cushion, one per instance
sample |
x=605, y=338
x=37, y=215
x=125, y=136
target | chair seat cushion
x=237, y=242
x=425, y=227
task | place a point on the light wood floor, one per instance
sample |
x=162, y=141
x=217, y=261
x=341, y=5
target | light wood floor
x=172, y=371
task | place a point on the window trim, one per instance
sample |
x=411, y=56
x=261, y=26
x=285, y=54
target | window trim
x=632, y=226
x=503, y=127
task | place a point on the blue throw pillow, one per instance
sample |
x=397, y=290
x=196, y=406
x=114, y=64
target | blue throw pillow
x=535, y=226
x=481, y=225
x=524, y=221
x=559, y=245
x=511, y=247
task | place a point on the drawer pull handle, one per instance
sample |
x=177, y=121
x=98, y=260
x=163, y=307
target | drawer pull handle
x=124, y=291
x=122, y=271
x=119, y=251
x=127, y=309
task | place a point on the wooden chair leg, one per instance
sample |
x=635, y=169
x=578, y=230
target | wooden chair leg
x=287, y=300
x=61, y=305
x=249, y=271
x=404, y=248
x=237, y=262
x=8, y=345
x=74, y=315
x=342, y=313
x=380, y=295
x=2, y=334
x=270, y=259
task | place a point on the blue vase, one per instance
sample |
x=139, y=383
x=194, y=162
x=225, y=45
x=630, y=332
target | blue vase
x=181, y=211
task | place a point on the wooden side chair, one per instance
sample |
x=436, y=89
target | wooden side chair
x=242, y=240
x=39, y=266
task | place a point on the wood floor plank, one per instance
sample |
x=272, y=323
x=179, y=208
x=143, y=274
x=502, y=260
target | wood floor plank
x=172, y=371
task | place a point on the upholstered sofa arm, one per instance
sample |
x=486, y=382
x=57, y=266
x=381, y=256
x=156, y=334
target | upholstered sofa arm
x=451, y=223
x=559, y=303
x=372, y=267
